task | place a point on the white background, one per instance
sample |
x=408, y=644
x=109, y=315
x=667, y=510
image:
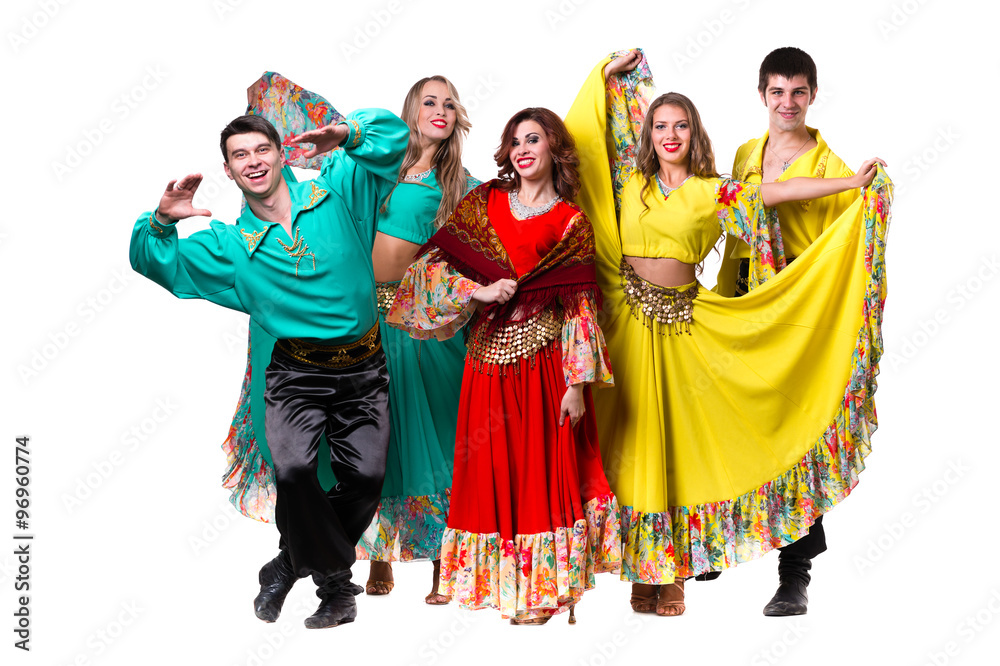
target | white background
x=138, y=557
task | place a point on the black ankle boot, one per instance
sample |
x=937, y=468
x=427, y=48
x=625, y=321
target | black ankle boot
x=337, y=605
x=793, y=578
x=276, y=580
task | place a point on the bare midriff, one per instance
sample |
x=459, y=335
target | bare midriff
x=391, y=257
x=662, y=271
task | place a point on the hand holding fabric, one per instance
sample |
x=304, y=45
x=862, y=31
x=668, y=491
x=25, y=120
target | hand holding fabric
x=324, y=139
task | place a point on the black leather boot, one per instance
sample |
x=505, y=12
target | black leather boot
x=337, y=605
x=793, y=578
x=276, y=580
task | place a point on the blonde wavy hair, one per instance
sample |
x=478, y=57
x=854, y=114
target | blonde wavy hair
x=701, y=158
x=448, y=157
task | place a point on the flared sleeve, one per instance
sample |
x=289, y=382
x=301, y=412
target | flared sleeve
x=605, y=122
x=741, y=213
x=433, y=300
x=585, y=354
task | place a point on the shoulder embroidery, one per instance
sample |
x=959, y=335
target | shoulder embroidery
x=314, y=196
x=297, y=250
x=252, y=238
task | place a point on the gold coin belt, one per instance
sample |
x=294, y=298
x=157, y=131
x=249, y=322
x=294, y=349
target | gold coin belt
x=509, y=344
x=671, y=308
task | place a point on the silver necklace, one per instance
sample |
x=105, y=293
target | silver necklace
x=668, y=190
x=786, y=163
x=417, y=177
x=524, y=212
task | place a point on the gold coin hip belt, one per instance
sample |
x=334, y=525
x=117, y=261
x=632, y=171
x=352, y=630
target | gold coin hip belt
x=385, y=293
x=512, y=342
x=671, y=310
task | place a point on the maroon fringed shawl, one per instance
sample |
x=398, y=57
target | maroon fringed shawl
x=470, y=243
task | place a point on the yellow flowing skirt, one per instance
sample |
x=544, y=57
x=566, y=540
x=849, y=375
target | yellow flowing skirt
x=727, y=442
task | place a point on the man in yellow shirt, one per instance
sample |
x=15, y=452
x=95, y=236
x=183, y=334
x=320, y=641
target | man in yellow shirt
x=789, y=148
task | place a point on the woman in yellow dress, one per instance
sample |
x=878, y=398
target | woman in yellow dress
x=734, y=423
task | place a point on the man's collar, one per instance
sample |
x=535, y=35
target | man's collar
x=304, y=196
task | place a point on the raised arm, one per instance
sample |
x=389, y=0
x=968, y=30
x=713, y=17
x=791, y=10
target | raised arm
x=799, y=189
x=200, y=266
x=365, y=171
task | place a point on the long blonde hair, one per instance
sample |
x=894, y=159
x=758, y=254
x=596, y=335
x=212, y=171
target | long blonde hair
x=701, y=157
x=448, y=157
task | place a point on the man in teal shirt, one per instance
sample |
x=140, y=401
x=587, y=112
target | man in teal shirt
x=298, y=261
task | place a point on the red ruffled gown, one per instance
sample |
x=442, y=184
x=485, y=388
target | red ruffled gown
x=532, y=516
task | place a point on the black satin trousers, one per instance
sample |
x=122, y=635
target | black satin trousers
x=350, y=405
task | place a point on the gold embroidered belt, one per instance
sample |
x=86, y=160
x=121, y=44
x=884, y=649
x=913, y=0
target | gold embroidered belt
x=333, y=356
x=385, y=292
x=671, y=308
x=509, y=344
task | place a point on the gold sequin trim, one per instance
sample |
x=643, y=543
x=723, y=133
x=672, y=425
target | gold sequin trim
x=385, y=292
x=513, y=342
x=671, y=308
x=252, y=238
x=356, y=128
x=314, y=196
x=298, y=250
x=152, y=223
x=333, y=356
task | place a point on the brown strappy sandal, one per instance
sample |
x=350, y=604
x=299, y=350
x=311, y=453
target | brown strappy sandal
x=666, y=607
x=644, y=603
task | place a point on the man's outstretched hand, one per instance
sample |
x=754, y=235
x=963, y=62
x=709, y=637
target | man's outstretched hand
x=175, y=204
x=324, y=139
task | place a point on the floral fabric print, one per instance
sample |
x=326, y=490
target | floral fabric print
x=585, y=355
x=292, y=110
x=445, y=293
x=247, y=474
x=532, y=574
x=406, y=528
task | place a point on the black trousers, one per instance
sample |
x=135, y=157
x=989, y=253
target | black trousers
x=351, y=406
x=813, y=543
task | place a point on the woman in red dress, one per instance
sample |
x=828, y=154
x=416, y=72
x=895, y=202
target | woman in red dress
x=532, y=517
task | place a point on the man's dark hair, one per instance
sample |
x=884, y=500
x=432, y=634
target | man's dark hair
x=246, y=125
x=787, y=61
